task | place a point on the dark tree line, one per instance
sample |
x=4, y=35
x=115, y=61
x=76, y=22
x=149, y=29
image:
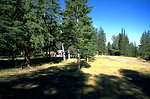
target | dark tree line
x=30, y=28
x=144, y=48
x=37, y=27
x=122, y=46
x=101, y=41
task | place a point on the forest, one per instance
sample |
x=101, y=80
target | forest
x=39, y=28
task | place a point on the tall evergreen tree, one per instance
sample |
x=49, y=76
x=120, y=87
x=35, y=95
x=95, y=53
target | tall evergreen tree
x=32, y=28
x=132, y=49
x=52, y=22
x=120, y=45
x=123, y=43
x=40, y=26
x=28, y=26
x=78, y=26
x=10, y=26
x=144, y=48
x=101, y=40
x=115, y=45
x=109, y=49
x=68, y=36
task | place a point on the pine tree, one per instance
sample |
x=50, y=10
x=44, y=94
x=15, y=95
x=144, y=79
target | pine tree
x=68, y=35
x=115, y=45
x=52, y=24
x=101, y=40
x=123, y=43
x=109, y=49
x=77, y=27
x=122, y=46
x=132, y=50
x=32, y=20
x=144, y=48
x=11, y=27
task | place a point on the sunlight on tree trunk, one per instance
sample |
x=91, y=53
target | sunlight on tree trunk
x=87, y=59
x=49, y=53
x=78, y=59
x=64, y=58
x=68, y=53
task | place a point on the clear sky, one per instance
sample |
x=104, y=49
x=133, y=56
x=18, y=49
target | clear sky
x=112, y=15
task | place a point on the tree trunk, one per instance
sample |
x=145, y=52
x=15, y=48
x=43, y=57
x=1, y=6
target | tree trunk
x=49, y=52
x=27, y=57
x=13, y=58
x=87, y=59
x=68, y=54
x=13, y=55
x=78, y=59
x=64, y=57
x=46, y=51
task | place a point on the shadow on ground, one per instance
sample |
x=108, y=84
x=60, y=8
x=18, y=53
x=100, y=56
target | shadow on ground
x=6, y=64
x=132, y=85
x=52, y=83
x=139, y=79
x=68, y=83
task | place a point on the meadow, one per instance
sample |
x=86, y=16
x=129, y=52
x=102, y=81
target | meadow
x=107, y=77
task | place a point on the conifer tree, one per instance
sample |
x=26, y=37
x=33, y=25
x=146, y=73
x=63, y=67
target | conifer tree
x=77, y=26
x=101, y=40
x=109, y=49
x=123, y=43
x=144, y=48
x=52, y=24
x=10, y=26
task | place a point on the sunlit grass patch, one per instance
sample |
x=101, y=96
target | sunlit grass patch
x=132, y=59
x=103, y=65
x=15, y=71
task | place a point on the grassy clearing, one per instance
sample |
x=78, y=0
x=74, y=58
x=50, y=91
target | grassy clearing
x=102, y=79
x=103, y=65
x=132, y=59
x=16, y=71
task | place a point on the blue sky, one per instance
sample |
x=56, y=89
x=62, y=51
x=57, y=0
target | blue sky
x=112, y=15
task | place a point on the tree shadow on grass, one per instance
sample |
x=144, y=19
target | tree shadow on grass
x=52, y=83
x=68, y=83
x=7, y=64
x=84, y=64
x=113, y=87
x=139, y=79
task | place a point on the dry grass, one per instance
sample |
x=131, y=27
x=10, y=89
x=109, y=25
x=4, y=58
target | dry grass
x=132, y=59
x=16, y=71
x=103, y=65
x=101, y=79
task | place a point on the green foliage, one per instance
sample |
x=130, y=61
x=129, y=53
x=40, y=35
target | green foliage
x=123, y=43
x=10, y=27
x=121, y=46
x=115, y=45
x=101, y=40
x=28, y=26
x=52, y=24
x=132, y=51
x=109, y=49
x=77, y=30
x=144, y=48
